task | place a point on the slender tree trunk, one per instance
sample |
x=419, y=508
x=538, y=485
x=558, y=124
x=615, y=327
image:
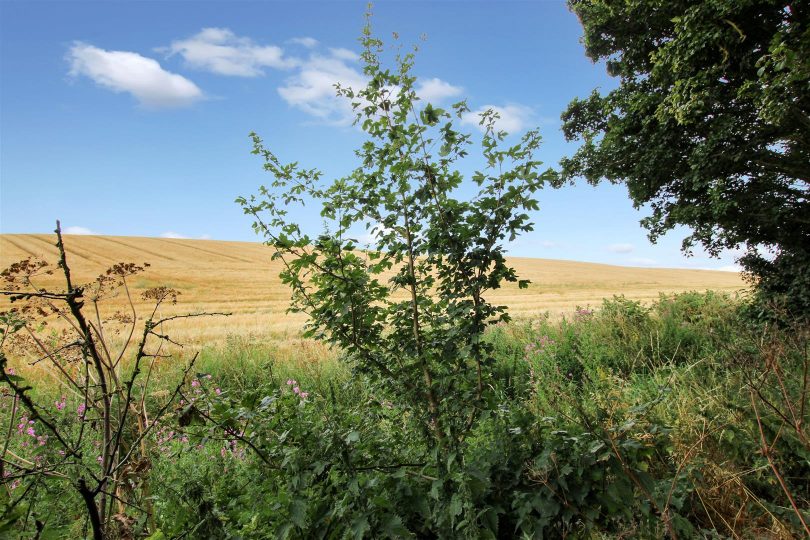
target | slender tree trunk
x=433, y=405
x=92, y=510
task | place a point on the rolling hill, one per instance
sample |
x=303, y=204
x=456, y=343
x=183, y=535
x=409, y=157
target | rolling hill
x=240, y=278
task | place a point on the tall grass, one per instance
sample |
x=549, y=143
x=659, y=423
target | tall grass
x=683, y=418
x=694, y=368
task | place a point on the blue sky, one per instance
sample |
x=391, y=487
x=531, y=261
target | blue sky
x=131, y=118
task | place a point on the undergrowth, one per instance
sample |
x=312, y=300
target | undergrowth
x=674, y=419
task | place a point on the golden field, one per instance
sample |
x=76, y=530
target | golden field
x=240, y=278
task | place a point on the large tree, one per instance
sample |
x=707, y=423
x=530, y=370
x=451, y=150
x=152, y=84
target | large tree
x=709, y=126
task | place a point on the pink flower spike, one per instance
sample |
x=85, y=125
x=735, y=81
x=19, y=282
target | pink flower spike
x=218, y=391
x=195, y=383
x=289, y=382
x=296, y=390
x=304, y=395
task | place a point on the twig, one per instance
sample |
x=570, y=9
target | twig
x=766, y=451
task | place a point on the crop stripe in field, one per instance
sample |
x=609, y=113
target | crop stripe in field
x=138, y=249
x=73, y=251
x=103, y=256
x=180, y=242
x=23, y=248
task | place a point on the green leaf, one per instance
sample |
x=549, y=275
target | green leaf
x=456, y=506
x=359, y=527
x=394, y=528
x=298, y=513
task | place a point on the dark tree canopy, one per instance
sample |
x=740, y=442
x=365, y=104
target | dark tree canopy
x=710, y=125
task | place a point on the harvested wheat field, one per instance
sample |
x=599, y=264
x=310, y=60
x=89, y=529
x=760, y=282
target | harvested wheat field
x=240, y=278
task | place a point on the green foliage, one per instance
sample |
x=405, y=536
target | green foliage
x=685, y=383
x=653, y=433
x=411, y=312
x=708, y=125
x=684, y=418
x=650, y=434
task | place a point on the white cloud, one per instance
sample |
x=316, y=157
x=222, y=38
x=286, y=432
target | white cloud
x=435, y=90
x=77, y=230
x=620, y=248
x=549, y=244
x=373, y=234
x=220, y=51
x=344, y=54
x=122, y=71
x=308, y=42
x=513, y=117
x=312, y=88
x=177, y=236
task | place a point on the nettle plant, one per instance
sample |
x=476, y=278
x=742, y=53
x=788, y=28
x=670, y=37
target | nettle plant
x=410, y=311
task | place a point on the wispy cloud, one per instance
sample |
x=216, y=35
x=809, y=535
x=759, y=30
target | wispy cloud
x=308, y=42
x=620, y=248
x=312, y=88
x=436, y=90
x=512, y=118
x=123, y=71
x=374, y=232
x=311, y=84
x=179, y=236
x=75, y=229
x=344, y=54
x=220, y=51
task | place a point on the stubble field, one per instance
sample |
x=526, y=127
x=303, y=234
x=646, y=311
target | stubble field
x=240, y=278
